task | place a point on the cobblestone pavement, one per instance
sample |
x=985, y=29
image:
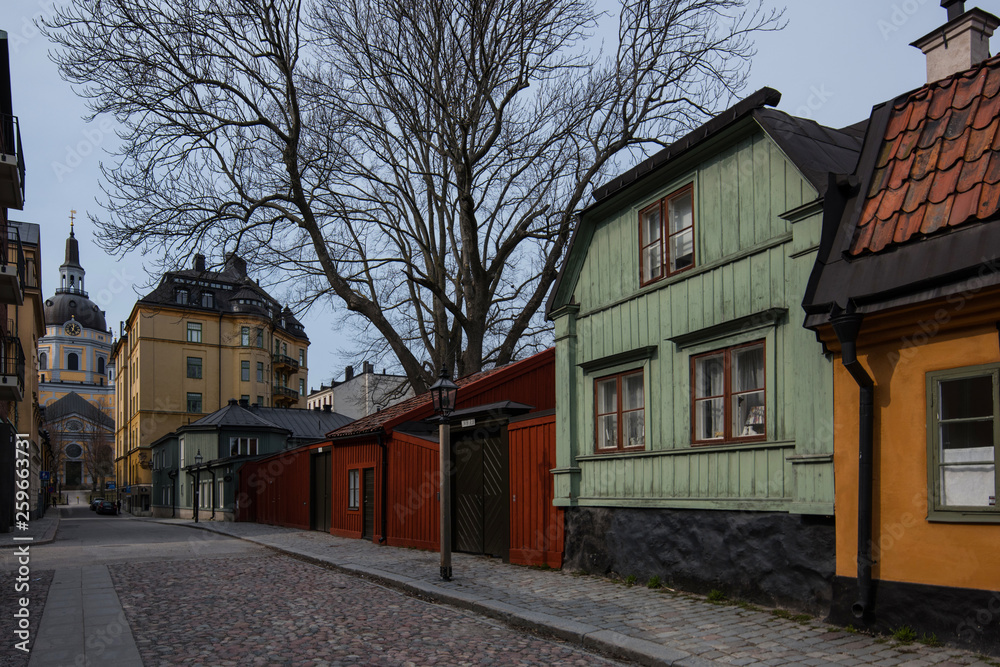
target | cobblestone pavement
x=726, y=634
x=277, y=610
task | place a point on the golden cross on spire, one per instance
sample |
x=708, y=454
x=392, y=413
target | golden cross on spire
x=72, y=219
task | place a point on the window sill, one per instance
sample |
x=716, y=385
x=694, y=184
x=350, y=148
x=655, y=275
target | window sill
x=688, y=450
x=600, y=453
x=959, y=516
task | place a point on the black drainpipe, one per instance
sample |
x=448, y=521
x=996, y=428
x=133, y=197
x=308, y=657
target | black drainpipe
x=215, y=501
x=847, y=324
x=385, y=486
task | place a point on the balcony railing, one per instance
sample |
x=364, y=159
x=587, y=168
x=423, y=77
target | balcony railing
x=284, y=393
x=11, y=369
x=12, y=269
x=279, y=360
x=11, y=163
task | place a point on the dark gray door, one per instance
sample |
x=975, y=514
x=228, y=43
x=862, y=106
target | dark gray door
x=321, y=488
x=481, y=522
x=368, y=507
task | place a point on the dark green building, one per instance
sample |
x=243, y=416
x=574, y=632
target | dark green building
x=199, y=463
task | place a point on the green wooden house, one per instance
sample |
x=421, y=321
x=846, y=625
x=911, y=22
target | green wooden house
x=198, y=464
x=694, y=424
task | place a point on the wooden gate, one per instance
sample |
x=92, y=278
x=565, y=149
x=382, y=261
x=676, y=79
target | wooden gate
x=321, y=489
x=368, y=504
x=481, y=491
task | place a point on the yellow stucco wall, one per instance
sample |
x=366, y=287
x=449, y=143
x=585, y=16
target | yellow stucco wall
x=898, y=350
x=151, y=374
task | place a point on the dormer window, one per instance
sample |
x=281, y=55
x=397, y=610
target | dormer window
x=666, y=236
x=208, y=300
x=182, y=296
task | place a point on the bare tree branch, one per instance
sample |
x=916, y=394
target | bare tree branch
x=415, y=163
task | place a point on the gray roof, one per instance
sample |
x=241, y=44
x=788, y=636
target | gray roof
x=299, y=424
x=74, y=404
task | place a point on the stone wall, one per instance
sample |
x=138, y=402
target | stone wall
x=768, y=557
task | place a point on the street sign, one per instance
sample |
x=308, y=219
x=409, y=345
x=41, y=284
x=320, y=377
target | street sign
x=110, y=486
x=44, y=475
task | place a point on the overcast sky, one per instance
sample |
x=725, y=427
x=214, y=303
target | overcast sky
x=832, y=63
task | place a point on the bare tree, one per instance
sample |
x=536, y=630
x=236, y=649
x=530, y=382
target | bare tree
x=96, y=436
x=416, y=162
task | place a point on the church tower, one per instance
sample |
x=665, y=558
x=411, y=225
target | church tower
x=75, y=382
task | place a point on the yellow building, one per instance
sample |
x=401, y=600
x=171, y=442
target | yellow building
x=197, y=340
x=29, y=324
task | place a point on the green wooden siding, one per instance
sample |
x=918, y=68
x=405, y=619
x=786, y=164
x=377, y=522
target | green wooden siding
x=744, y=265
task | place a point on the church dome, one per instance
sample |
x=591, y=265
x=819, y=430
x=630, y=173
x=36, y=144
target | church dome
x=65, y=305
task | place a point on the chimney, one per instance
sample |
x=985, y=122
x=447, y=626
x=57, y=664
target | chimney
x=232, y=401
x=960, y=44
x=327, y=407
x=199, y=262
x=235, y=265
x=368, y=368
x=348, y=373
x=245, y=403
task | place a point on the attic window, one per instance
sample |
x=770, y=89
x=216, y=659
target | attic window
x=666, y=236
x=182, y=296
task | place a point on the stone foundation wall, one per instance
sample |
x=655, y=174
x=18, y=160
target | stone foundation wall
x=768, y=557
x=965, y=617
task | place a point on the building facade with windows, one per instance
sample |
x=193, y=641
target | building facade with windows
x=18, y=460
x=359, y=395
x=905, y=295
x=29, y=322
x=199, y=465
x=694, y=424
x=199, y=338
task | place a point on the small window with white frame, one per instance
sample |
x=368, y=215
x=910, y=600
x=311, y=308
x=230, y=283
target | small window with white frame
x=243, y=446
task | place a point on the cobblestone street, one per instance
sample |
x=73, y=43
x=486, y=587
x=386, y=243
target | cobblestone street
x=276, y=610
x=708, y=633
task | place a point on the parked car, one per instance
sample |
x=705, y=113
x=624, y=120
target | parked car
x=107, y=507
x=94, y=502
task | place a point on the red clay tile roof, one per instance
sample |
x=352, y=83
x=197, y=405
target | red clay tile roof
x=939, y=163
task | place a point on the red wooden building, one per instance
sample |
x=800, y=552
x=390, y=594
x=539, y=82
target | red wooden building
x=378, y=477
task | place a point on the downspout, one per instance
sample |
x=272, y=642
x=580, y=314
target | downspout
x=385, y=485
x=215, y=501
x=847, y=325
x=219, y=405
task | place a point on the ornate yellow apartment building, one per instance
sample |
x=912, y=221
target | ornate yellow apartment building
x=197, y=340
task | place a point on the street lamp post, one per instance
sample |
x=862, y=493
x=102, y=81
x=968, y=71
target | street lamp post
x=443, y=393
x=197, y=483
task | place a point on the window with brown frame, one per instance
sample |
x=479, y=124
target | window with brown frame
x=728, y=401
x=666, y=236
x=620, y=412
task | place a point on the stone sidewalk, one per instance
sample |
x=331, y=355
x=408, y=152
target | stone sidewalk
x=652, y=627
x=39, y=531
